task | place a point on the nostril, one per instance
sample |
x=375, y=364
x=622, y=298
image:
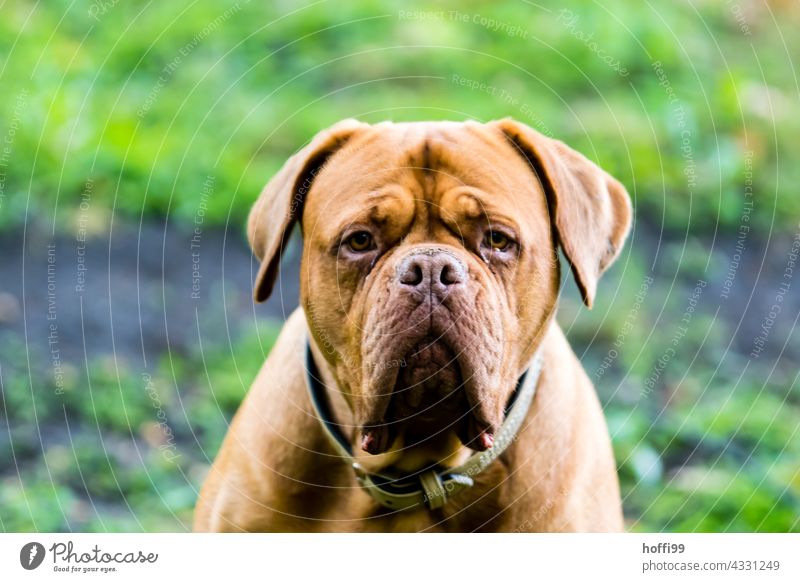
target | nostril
x=412, y=275
x=450, y=275
x=430, y=268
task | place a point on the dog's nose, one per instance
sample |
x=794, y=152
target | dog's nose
x=431, y=268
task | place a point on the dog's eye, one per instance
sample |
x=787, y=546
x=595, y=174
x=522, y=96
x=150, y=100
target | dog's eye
x=497, y=240
x=360, y=241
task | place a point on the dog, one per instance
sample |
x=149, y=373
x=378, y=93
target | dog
x=423, y=383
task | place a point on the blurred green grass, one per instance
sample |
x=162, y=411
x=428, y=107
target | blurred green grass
x=96, y=99
x=241, y=97
x=114, y=467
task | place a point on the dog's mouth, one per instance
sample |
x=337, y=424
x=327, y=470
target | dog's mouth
x=430, y=400
x=428, y=383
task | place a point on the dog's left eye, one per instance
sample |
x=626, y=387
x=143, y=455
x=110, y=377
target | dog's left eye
x=360, y=241
x=497, y=240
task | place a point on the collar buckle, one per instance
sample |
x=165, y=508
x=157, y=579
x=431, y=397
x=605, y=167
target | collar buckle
x=434, y=489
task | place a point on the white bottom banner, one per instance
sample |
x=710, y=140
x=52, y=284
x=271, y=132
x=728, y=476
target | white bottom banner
x=401, y=557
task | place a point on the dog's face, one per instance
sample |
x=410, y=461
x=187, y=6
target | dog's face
x=430, y=269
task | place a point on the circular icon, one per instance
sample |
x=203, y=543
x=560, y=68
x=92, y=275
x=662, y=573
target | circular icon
x=31, y=555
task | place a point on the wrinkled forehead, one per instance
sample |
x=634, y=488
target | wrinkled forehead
x=422, y=161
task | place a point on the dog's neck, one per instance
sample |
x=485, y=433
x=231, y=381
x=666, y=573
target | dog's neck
x=432, y=485
x=341, y=410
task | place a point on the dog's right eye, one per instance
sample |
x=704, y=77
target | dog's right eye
x=360, y=242
x=497, y=240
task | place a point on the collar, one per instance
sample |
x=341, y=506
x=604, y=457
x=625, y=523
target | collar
x=433, y=487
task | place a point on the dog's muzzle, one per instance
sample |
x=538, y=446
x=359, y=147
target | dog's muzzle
x=431, y=320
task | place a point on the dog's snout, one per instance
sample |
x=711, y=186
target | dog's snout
x=431, y=269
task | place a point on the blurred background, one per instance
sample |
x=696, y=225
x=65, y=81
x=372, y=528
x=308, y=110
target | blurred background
x=134, y=136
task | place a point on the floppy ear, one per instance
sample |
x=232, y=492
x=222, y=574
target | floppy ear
x=589, y=210
x=280, y=204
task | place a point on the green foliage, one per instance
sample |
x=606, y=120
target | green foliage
x=150, y=102
x=133, y=453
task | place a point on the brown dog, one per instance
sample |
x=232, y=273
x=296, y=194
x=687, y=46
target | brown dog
x=429, y=283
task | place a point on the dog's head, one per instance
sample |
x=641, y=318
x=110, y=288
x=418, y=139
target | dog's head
x=429, y=269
